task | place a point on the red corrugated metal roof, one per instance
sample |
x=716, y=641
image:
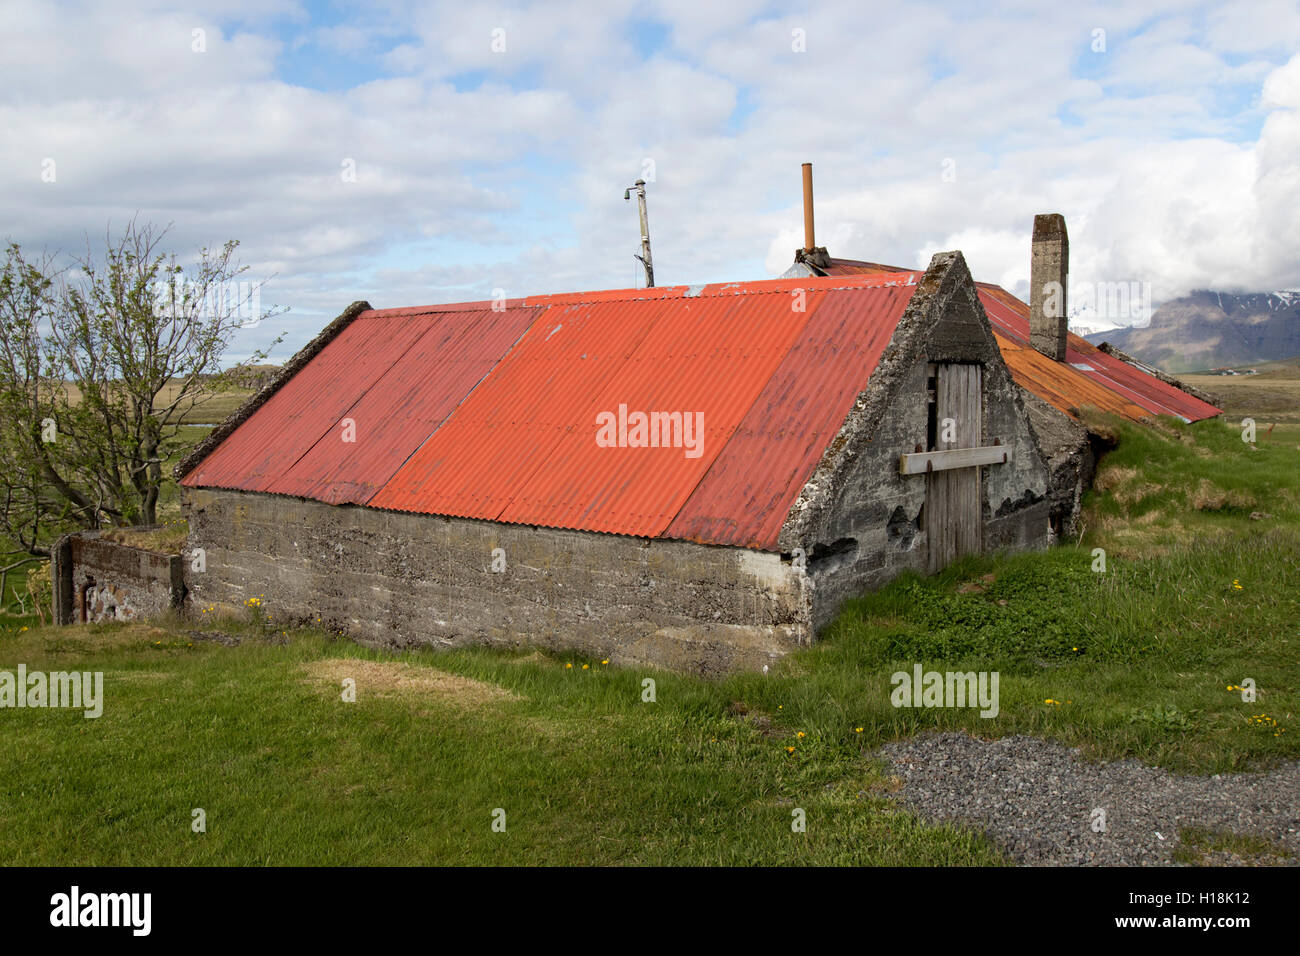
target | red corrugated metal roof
x=462, y=410
x=405, y=405
x=263, y=449
x=746, y=495
x=706, y=357
x=1088, y=376
x=1010, y=319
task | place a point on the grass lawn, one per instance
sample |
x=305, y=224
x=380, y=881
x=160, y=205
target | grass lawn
x=1134, y=661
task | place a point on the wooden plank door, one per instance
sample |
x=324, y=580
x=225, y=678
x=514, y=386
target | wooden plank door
x=953, y=505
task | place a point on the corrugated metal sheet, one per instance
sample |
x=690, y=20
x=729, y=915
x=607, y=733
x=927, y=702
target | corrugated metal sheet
x=405, y=405
x=487, y=412
x=1087, y=377
x=714, y=354
x=474, y=412
x=309, y=405
x=476, y=463
x=706, y=357
x=1083, y=360
x=747, y=494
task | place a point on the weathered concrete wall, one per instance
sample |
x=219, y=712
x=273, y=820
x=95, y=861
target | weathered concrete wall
x=99, y=580
x=1071, y=454
x=860, y=522
x=395, y=579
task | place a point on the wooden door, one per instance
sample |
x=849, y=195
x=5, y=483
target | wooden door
x=954, y=514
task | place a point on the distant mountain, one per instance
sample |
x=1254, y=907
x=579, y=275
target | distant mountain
x=1212, y=329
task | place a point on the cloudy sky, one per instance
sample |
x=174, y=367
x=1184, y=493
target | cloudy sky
x=412, y=153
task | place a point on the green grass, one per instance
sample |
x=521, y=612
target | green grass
x=288, y=773
x=1134, y=662
x=1197, y=847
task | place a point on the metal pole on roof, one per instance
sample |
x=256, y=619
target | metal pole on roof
x=646, y=261
x=809, y=242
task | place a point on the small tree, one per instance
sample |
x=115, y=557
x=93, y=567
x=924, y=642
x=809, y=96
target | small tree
x=33, y=503
x=99, y=366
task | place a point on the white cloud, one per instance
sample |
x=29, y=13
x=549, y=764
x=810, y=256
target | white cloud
x=518, y=180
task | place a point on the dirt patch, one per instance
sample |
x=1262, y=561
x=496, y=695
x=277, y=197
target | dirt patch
x=1136, y=494
x=1112, y=476
x=215, y=637
x=1209, y=497
x=141, y=677
x=412, y=681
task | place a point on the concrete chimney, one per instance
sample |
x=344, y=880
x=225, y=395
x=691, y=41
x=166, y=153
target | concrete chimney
x=1049, y=269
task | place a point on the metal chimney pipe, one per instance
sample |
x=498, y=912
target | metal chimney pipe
x=808, y=244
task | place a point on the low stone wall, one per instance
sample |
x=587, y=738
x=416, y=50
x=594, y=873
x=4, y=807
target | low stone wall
x=100, y=580
x=396, y=580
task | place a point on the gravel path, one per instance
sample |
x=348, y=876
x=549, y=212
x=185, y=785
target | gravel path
x=1035, y=799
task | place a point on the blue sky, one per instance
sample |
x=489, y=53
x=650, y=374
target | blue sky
x=491, y=145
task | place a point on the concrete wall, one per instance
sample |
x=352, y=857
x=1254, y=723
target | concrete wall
x=394, y=579
x=877, y=528
x=99, y=580
x=861, y=522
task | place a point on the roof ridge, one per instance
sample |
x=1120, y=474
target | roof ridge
x=772, y=286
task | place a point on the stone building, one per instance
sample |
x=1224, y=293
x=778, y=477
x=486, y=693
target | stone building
x=1059, y=373
x=694, y=477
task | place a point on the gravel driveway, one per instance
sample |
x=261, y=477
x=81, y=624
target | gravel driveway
x=1036, y=800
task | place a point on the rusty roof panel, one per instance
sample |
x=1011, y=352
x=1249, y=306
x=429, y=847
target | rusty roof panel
x=308, y=405
x=706, y=359
x=1130, y=386
x=405, y=405
x=523, y=447
x=1088, y=376
x=747, y=494
x=507, y=429
x=856, y=267
x=1058, y=383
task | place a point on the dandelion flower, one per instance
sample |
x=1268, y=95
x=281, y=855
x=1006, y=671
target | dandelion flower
x=857, y=730
x=585, y=666
x=801, y=735
x=789, y=750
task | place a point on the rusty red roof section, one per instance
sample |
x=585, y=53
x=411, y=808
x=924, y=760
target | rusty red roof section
x=1088, y=376
x=745, y=497
x=491, y=410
